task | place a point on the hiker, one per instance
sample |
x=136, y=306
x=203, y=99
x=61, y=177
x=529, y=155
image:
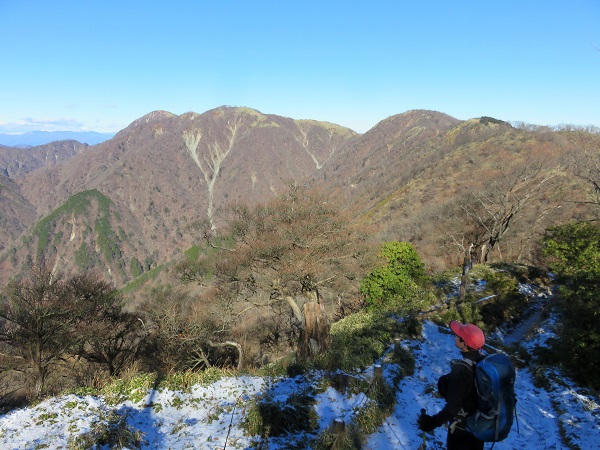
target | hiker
x=458, y=389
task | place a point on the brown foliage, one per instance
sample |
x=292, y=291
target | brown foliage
x=301, y=238
x=297, y=246
x=181, y=327
x=496, y=170
x=47, y=319
x=586, y=166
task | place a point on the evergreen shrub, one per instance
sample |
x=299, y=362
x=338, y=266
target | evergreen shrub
x=398, y=280
x=573, y=253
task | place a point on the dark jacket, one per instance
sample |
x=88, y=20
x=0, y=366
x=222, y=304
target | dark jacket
x=458, y=388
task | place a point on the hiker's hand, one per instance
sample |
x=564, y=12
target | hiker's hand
x=426, y=423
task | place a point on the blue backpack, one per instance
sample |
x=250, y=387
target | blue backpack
x=496, y=399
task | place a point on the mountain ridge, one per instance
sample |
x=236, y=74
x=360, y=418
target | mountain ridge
x=164, y=172
x=36, y=138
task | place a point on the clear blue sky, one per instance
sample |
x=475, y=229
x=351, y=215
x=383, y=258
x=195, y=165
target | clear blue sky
x=100, y=65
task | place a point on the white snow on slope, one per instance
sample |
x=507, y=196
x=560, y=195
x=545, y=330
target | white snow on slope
x=210, y=417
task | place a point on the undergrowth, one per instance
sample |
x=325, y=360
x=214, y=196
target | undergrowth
x=136, y=386
x=270, y=415
x=110, y=429
x=358, y=340
x=493, y=297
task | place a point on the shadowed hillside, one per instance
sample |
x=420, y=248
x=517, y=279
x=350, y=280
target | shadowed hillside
x=17, y=214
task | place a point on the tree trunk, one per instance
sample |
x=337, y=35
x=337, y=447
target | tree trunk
x=314, y=336
x=464, y=279
x=40, y=380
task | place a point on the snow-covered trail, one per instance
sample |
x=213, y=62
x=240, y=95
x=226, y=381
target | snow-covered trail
x=540, y=414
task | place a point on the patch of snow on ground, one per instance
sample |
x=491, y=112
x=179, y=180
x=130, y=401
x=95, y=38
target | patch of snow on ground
x=210, y=417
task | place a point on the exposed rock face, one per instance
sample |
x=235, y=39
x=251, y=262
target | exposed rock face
x=164, y=172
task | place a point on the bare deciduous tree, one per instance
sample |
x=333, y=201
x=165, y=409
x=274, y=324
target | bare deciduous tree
x=296, y=250
x=47, y=318
x=106, y=334
x=35, y=325
x=488, y=214
x=586, y=167
x=180, y=329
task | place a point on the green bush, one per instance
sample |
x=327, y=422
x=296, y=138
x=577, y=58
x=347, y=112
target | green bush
x=185, y=380
x=109, y=430
x=83, y=259
x=405, y=360
x=573, y=253
x=352, y=439
x=499, y=302
x=358, y=340
x=135, y=268
x=134, y=388
x=466, y=312
x=399, y=276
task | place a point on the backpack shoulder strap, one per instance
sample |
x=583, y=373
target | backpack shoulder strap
x=463, y=362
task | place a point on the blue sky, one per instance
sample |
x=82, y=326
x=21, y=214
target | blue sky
x=100, y=65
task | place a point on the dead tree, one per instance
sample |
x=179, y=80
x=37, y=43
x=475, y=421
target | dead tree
x=314, y=333
x=466, y=267
x=491, y=212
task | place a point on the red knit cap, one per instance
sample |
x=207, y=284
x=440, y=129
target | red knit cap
x=470, y=334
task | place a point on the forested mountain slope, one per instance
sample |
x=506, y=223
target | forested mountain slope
x=421, y=176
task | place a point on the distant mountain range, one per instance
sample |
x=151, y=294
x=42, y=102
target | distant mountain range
x=33, y=138
x=129, y=203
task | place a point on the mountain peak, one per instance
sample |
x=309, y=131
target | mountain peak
x=154, y=116
x=419, y=117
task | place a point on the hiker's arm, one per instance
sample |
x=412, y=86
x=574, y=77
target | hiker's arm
x=457, y=391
